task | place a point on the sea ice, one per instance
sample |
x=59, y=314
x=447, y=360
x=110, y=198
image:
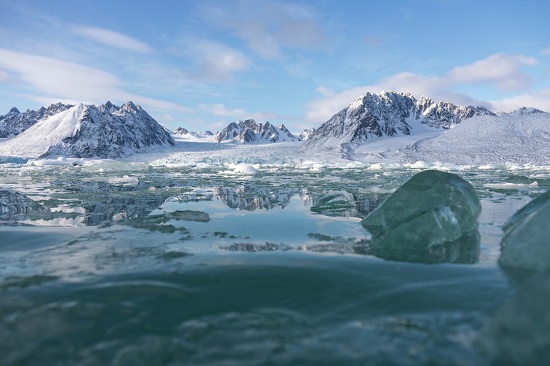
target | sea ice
x=525, y=241
x=430, y=218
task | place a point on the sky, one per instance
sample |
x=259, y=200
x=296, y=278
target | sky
x=203, y=64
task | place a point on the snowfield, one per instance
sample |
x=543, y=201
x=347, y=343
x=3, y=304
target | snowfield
x=485, y=139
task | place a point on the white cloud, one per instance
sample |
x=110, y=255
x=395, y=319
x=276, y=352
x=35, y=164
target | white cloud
x=221, y=110
x=324, y=91
x=546, y=51
x=4, y=75
x=267, y=27
x=502, y=71
x=539, y=99
x=113, y=39
x=57, y=80
x=320, y=110
x=215, y=62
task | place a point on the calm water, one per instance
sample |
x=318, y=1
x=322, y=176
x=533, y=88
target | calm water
x=128, y=264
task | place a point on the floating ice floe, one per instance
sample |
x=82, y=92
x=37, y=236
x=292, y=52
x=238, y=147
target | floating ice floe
x=124, y=180
x=510, y=185
x=107, y=165
x=431, y=218
x=245, y=169
x=59, y=161
x=525, y=243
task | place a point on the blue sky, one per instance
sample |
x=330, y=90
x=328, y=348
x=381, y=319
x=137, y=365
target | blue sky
x=202, y=64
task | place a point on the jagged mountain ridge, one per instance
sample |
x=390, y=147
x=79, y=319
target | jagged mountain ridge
x=184, y=132
x=372, y=116
x=249, y=131
x=524, y=111
x=84, y=131
x=15, y=122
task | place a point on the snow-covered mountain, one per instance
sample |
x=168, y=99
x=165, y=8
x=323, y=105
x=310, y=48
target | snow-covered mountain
x=523, y=111
x=181, y=133
x=250, y=131
x=82, y=131
x=372, y=116
x=15, y=122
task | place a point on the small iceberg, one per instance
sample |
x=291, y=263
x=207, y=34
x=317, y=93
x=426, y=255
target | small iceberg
x=245, y=169
x=431, y=218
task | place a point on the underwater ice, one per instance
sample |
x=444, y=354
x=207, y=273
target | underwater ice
x=525, y=242
x=430, y=218
x=519, y=333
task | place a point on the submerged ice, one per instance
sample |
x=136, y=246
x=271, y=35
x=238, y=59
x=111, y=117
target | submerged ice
x=525, y=241
x=519, y=333
x=431, y=218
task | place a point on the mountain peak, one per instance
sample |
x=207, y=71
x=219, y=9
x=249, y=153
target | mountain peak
x=130, y=106
x=249, y=131
x=523, y=111
x=14, y=110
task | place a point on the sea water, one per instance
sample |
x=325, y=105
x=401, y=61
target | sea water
x=126, y=263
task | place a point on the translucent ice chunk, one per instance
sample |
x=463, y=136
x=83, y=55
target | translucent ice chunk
x=525, y=243
x=431, y=218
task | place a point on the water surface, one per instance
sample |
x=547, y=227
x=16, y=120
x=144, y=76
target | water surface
x=125, y=263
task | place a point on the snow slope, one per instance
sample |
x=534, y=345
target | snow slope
x=15, y=122
x=36, y=140
x=515, y=137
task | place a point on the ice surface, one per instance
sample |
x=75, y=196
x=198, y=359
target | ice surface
x=525, y=241
x=430, y=218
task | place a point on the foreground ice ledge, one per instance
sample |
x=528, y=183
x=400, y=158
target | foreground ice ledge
x=430, y=218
